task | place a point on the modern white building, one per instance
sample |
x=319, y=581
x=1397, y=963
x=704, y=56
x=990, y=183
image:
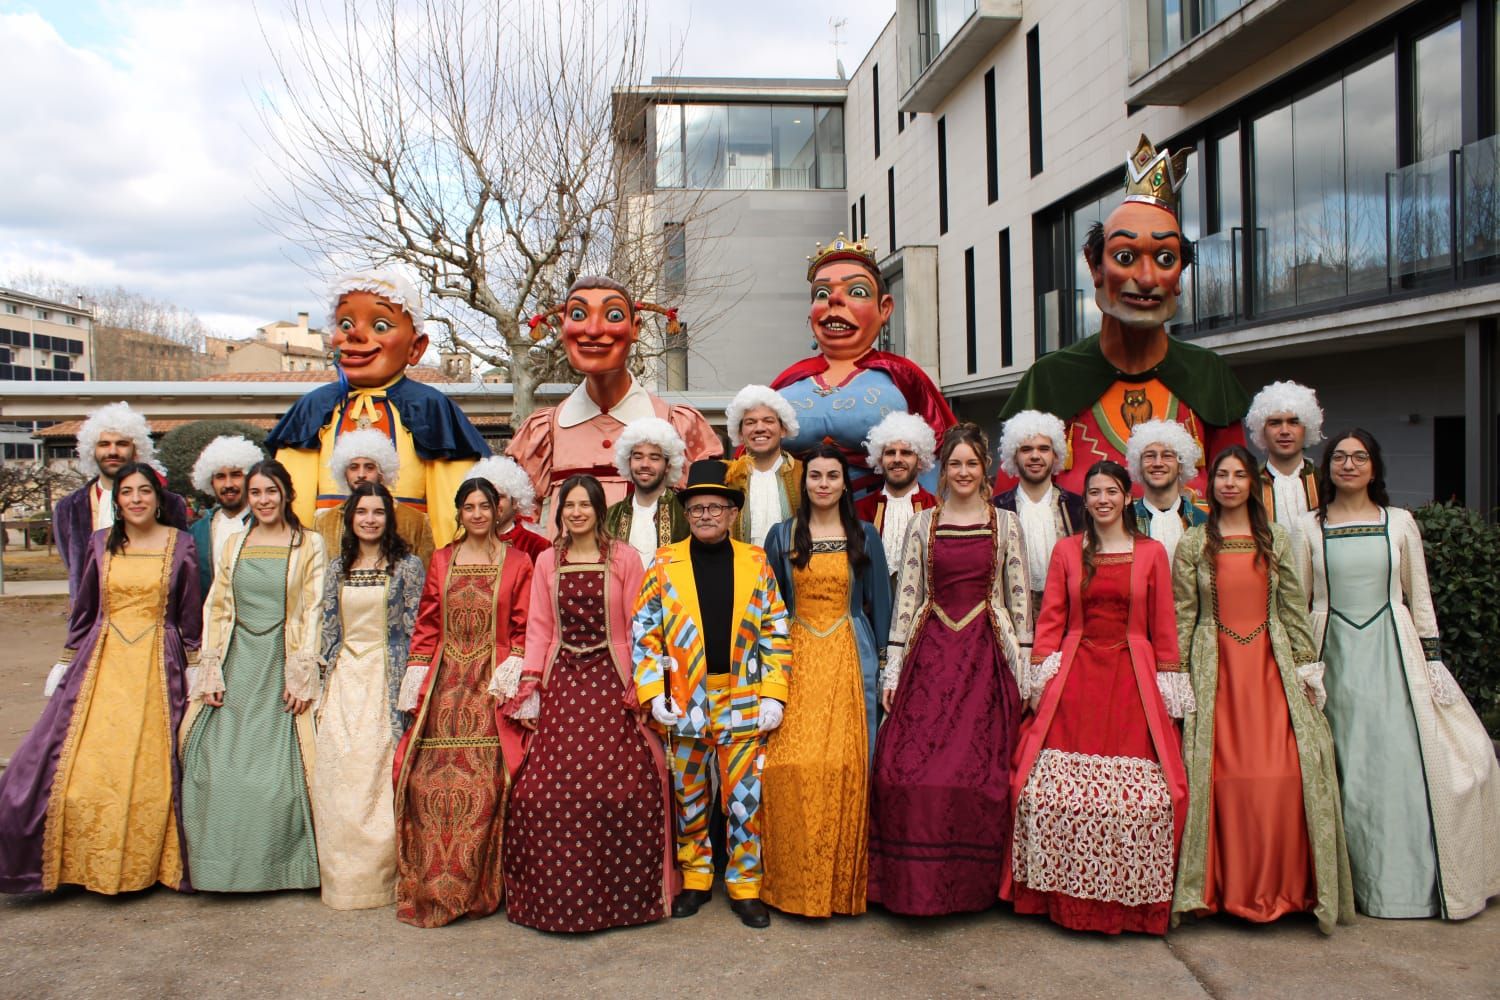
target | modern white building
x=1344, y=195
x=41, y=340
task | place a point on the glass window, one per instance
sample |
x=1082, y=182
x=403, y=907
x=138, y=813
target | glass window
x=1318, y=194
x=674, y=261
x=704, y=139
x=1164, y=28
x=669, y=145
x=1086, y=315
x=792, y=146
x=1369, y=154
x=1274, y=246
x=749, y=147
x=830, y=142
x=1437, y=85
x=1229, y=200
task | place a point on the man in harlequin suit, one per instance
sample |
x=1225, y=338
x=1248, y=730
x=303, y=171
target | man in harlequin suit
x=712, y=656
x=1132, y=371
x=377, y=317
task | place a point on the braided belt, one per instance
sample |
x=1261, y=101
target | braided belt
x=580, y=650
x=457, y=742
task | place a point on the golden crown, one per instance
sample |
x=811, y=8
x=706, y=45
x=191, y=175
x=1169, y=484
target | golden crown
x=1155, y=176
x=843, y=248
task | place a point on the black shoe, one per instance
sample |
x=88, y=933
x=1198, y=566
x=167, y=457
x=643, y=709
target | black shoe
x=689, y=901
x=752, y=912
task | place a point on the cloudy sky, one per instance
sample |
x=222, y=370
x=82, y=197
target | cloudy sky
x=134, y=154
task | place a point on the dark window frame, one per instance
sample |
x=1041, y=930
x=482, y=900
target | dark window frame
x=1034, y=96
x=991, y=137
x=942, y=158
x=971, y=325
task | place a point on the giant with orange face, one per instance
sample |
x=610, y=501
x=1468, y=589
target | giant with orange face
x=1139, y=278
x=377, y=334
x=599, y=327
x=376, y=338
x=848, y=387
x=1133, y=370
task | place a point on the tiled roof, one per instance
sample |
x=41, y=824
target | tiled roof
x=70, y=428
x=420, y=373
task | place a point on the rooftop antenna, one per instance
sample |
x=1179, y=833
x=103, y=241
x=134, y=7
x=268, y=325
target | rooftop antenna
x=838, y=24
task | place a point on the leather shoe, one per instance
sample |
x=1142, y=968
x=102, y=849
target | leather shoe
x=689, y=901
x=752, y=912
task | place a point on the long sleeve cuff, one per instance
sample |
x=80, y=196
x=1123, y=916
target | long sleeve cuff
x=1176, y=690
x=506, y=680
x=303, y=681
x=1445, y=690
x=410, y=694
x=1311, y=676
x=207, y=677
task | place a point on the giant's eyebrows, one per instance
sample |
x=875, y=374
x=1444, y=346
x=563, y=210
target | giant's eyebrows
x=1168, y=234
x=611, y=297
x=1126, y=233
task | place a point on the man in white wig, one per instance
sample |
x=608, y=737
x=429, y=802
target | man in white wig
x=111, y=438
x=220, y=473
x=1284, y=419
x=759, y=418
x=650, y=454
x=517, y=502
x=900, y=447
x=376, y=330
x=367, y=456
x=1163, y=457
x=1034, y=449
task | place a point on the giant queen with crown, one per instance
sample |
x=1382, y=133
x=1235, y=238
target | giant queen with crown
x=1132, y=370
x=848, y=387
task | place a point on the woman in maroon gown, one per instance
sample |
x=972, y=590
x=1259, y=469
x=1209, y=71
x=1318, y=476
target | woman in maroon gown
x=940, y=813
x=588, y=837
x=1100, y=789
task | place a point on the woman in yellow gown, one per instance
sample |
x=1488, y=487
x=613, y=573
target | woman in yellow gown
x=93, y=795
x=830, y=568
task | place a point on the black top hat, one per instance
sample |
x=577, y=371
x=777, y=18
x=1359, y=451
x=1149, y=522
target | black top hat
x=706, y=478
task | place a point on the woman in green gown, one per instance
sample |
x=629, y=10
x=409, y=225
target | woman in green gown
x=1419, y=781
x=247, y=746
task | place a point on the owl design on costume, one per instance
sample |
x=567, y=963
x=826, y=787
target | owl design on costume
x=1136, y=408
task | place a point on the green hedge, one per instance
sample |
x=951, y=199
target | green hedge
x=1463, y=566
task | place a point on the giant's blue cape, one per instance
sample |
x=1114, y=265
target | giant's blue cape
x=438, y=427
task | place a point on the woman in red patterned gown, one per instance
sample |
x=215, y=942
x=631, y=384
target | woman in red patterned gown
x=454, y=764
x=589, y=835
x=1099, y=786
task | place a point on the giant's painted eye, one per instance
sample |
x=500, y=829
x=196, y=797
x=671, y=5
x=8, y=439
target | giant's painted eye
x=346, y=324
x=382, y=326
x=1124, y=257
x=859, y=291
x=578, y=314
x=820, y=294
x=1165, y=258
x=615, y=315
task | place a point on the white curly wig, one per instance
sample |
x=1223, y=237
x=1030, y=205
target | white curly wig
x=121, y=419
x=1026, y=425
x=227, y=451
x=1285, y=397
x=651, y=430
x=748, y=399
x=908, y=429
x=1174, y=436
x=387, y=282
x=365, y=443
x=508, y=478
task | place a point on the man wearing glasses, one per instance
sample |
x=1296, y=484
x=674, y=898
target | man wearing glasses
x=712, y=660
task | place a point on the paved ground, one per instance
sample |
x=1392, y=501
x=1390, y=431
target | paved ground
x=34, y=588
x=159, y=944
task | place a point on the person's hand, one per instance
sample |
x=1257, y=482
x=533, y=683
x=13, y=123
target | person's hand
x=663, y=711
x=771, y=712
x=214, y=699
x=887, y=700
x=528, y=724
x=294, y=705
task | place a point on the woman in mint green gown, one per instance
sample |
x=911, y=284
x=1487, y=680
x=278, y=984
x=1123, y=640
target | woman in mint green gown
x=247, y=746
x=1417, y=772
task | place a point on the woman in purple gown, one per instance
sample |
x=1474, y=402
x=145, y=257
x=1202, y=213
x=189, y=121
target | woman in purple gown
x=93, y=796
x=940, y=810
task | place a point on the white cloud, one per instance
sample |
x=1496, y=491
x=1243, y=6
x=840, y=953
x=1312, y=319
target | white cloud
x=133, y=150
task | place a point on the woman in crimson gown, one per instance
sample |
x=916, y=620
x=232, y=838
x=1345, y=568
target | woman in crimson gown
x=940, y=807
x=1099, y=785
x=1264, y=835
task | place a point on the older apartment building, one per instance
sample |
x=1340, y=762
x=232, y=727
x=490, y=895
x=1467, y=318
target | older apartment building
x=1344, y=194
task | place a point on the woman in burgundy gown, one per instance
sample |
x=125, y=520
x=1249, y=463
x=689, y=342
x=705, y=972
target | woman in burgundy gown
x=1100, y=789
x=588, y=832
x=940, y=811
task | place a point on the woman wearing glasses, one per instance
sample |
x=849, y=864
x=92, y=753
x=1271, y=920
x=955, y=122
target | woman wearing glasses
x=1421, y=789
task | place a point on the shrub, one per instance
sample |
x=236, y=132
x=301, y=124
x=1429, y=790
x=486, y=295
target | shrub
x=1463, y=566
x=180, y=447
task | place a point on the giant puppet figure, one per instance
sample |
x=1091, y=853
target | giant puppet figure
x=848, y=387
x=599, y=322
x=1131, y=371
x=377, y=316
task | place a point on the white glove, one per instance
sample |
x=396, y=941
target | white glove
x=55, y=678
x=664, y=711
x=770, y=714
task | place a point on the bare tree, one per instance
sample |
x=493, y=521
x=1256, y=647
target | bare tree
x=28, y=487
x=476, y=143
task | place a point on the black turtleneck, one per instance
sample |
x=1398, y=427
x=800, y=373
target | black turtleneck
x=713, y=571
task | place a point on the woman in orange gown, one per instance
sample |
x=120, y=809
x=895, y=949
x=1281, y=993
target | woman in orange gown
x=1264, y=836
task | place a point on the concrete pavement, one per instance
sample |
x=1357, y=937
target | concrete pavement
x=160, y=944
